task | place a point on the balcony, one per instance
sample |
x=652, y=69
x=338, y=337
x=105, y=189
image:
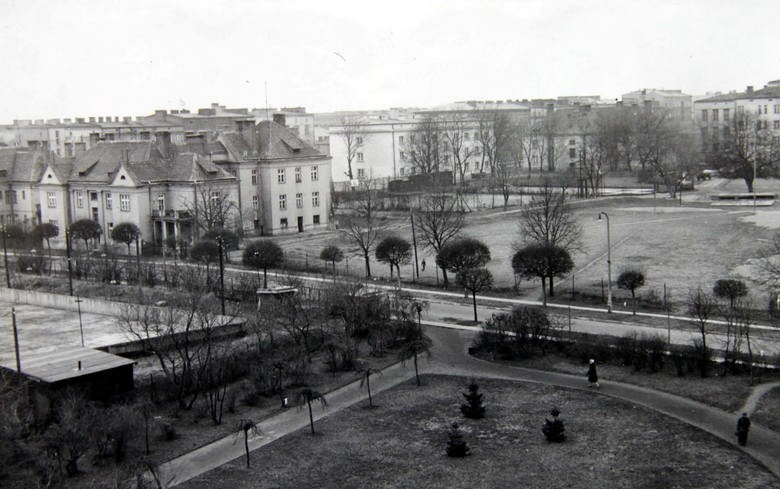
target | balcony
x=172, y=215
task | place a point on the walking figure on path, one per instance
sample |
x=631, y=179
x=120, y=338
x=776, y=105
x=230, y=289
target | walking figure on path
x=423, y=264
x=593, y=377
x=743, y=426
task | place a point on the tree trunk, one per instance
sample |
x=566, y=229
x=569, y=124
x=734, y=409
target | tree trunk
x=474, y=298
x=444, y=277
x=311, y=417
x=265, y=278
x=749, y=183
x=368, y=264
x=552, y=290
x=246, y=447
x=416, y=372
x=368, y=387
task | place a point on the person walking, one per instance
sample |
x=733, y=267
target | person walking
x=423, y=264
x=593, y=376
x=743, y=426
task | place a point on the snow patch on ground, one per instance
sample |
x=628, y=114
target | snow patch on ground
x=764, y=219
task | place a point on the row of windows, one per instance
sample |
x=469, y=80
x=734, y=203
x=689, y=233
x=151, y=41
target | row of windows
x=11, y=197
x=124, y=200
x=283, y=223
x=281, y=175
x=315, y=200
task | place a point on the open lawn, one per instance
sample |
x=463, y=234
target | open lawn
x=401, y=444
x=680, y=246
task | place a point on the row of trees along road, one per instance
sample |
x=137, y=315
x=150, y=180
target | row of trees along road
x=663, y=147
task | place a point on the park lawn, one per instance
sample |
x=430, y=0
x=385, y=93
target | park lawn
x=401, y=444
x=767, y=411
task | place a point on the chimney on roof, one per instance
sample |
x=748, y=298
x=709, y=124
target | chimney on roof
x=127, y=119
x=92, y=120
x=750, y=89
x=280, y=119
x=163, y=143
x=100, y=119
x=79, y=120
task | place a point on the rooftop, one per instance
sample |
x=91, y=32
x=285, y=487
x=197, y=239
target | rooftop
x=57, y=363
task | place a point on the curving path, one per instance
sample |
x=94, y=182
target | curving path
x=450, y=357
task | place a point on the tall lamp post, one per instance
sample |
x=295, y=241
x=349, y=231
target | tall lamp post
x=609, y=264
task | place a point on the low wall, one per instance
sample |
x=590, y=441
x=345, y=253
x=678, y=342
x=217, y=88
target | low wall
x=58, y=301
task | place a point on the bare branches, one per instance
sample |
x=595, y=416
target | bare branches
x=548, y=221
x=353, y=134
x=363, y=225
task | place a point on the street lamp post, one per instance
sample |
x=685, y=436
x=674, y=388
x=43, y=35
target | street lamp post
x=609, y=263
x=418, y=308
x=16, y=339
x=81, y=325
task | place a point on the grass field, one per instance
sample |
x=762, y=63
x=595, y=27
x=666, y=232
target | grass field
x=401, y=444
x=680, y=246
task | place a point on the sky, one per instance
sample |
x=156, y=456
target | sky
x=72, y=58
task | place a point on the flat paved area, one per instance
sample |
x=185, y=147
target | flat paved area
x=46, y=328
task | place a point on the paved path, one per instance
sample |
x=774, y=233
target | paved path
x=451, y=358
x=758, y=392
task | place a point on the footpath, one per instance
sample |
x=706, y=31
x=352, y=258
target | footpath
x=450, y=357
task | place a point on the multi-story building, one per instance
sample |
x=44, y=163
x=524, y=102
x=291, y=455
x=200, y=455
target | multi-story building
x=679, y=105
x=714, y=113
x=294, y=118
x=255, y=179
x=20, y=171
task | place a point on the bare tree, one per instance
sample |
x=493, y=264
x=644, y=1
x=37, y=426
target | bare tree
x=182, y=337
x=701, y=307
x=362, y=224
x=456, y=131
x=353, y=134
x=744, y=148
x=439, y=221
x=426, y=148
x=211, y=207
x=548, y=220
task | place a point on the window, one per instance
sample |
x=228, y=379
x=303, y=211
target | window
x=161, y=202
x=79, y=199
x=298, y=178
x=10, y=197
x=775, y=124
x=124, y=202
x=402, y=156
x=466, y=136
x=316, y=219
x=53, y=222
x=359, y=140
x=23, y=195
x=214, y=198
x=714, y=115
x=360, y=157
x=725, y=114
x=108, y=200
x=402, y=171
x=93, y=197
x=314, y=173
x=412, y=138
x=572, y=153
x=401, y=139
x=704, y=115
x=283, y=202
x=283, y=223
x=255, y=202
x=741, y=109
x=51, y=198
x=254, y=177
x=299, y=200
x=572, y=142
x=361, y=173
x=315, y=199
x=281, y=175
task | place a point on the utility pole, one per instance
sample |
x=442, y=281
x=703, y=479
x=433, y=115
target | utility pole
x=609, y=264
x=414, y=243
x=81, y=325
x=16, y=339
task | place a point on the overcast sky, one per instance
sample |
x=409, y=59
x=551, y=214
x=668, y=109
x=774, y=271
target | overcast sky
x=87, y=58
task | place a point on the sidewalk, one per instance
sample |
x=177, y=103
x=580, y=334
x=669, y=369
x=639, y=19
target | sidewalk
x=222, y=451
x=450, y=358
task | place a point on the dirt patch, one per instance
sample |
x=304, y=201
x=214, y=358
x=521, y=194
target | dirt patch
x=609, y=443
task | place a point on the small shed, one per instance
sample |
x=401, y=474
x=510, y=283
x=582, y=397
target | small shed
x=276, y=293
x=99, y=375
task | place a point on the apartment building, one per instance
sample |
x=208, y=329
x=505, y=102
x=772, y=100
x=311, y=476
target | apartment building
x=679, y=104
x=20, y=171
